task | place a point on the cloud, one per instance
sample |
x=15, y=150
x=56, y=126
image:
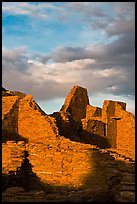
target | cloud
x=68, y=54
x=14, y=59
x=87, y=8
x=106, y=67
x=51, y=80
x=85, y=11
x=26, y=75
x=119, y=53
x=123, y=8
x=39, y=11
x=119, y=44
x=121, y=26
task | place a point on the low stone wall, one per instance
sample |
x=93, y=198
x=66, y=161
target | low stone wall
x=12, y=156
x=62, y=163
x=70, y=172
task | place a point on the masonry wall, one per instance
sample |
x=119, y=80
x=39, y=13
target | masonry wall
x=23, y=117
x=92, y=111
x=66, y=163
x=76, y=103
x=58, y=161
x=66, y=124
x=9, y=117
x=12, y=156
x=95, y=127
x=120, y=126
x=34, y=124
x=108, y=113
x=125, y=132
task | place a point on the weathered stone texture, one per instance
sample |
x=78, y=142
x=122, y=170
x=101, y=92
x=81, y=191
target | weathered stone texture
x=55, y=159
x=66, y=124
x=66, y=163
x=33, y=124
x=125, y=131
x=108, y=110
x=9, y=117
x=12, y=93
x=21, y=115
x=95, y=127
x=120, y=126
x=108, y=117
x=12, y=156
x=76, y=103
x=88, y=171
x=92, y=111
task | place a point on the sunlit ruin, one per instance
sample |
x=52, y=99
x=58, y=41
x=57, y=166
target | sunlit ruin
x=81, y=153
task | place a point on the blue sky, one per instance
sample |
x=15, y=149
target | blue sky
x=48, y=47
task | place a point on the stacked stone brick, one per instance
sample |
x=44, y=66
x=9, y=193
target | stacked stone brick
x=33, y=123
x=88, y=172
x=67, y=125
x=62, y=163
x=76, y=103
x=108, y=123
x=92, y=122
x=22, y=116
x=58, y=160
x=12, y=156
x=120, y=127
x=9, y=117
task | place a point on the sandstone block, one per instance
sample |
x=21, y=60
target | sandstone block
x=92, y=111
x=76, y=103
x=93, y=126
x=120, y=126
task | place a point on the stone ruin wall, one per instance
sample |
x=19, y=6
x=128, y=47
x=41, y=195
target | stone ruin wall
x=92, y=122
x=24, y=119
x=12, y=156
x=70, y=163
x=108, y=122
x=62, y=163
x=76, y=103
x=113, y=122
x=9, y=117
x=125, y=132
x=33, y=124
x=89, y=172
x=108, y=111
x=120, y=127
x=67, y=126
x=94, y=127
x=92, y=111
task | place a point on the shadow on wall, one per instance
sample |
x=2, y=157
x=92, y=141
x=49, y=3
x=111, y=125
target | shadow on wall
x=23, y=177
x=12, y=136
x=72, y=129
x=100, y=185
x=89, y=138
x=86, y=137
